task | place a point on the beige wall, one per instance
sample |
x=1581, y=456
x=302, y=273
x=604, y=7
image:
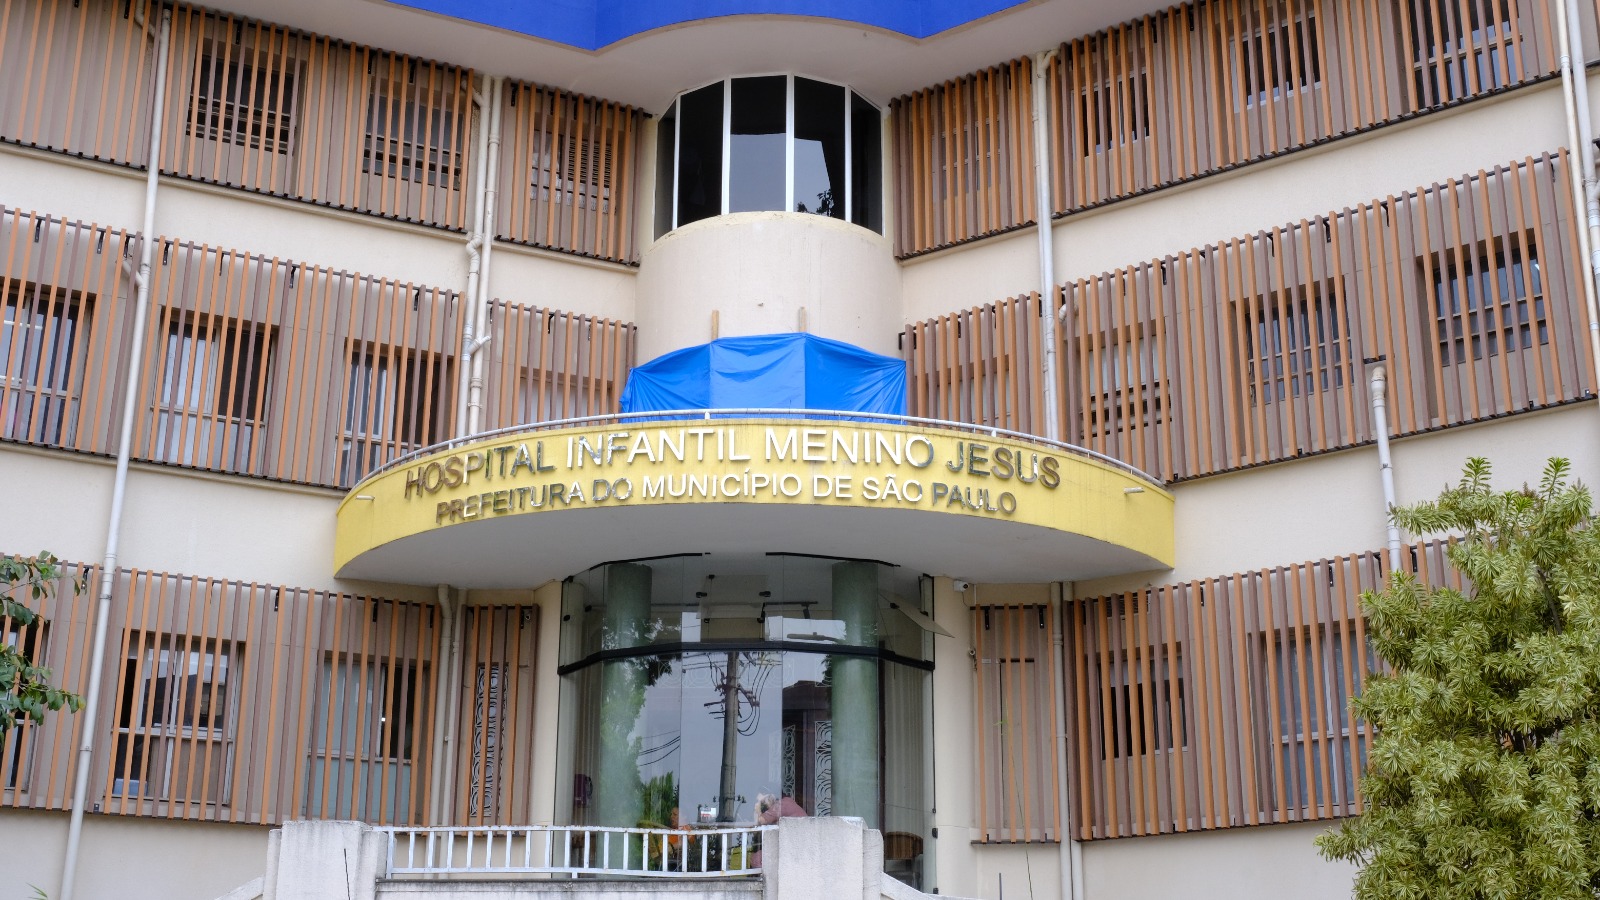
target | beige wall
x=1263, y=863
x=1333, y=504
x=304, y=232
x=177, y=521
x=129, y=858
x=758, y=271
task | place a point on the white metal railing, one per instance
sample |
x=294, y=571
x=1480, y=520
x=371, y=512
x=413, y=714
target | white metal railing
x=680, y=415
x=574, y=850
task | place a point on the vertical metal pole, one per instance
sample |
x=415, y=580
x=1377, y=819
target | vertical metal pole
x=444, y=708
x=119, y=484
x=469, y=306
x=480, y=310
x=1047, y=260
x=1380, y=426
x=728, y=788
x=1569, y=18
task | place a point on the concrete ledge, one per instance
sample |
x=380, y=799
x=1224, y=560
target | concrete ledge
x=250, y=890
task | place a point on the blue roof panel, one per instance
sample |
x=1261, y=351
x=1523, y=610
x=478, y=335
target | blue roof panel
x=593, y=24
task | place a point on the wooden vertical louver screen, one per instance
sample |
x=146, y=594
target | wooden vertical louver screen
x=1017, y=699
x=289, y=371
x=227, y=701
x=37, y=765
x=569, y=172
x=267, y=367
x=494, y=762
x=546, y=365
x=1206, y=86
x=979, y=365
x=1224, y=701
x=265, y=108
x=1257, y=348
x=65, y=312
x=78, y=76
x=963, y=158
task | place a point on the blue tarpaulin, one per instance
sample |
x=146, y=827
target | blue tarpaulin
x=769, y=371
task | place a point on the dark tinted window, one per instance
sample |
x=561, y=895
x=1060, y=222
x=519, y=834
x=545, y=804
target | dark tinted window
x=819, y=148
x=866, y=165
x=700, y=154
x=756, y=144
x=666, y=161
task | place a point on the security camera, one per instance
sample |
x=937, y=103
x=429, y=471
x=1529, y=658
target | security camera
x=961, y=586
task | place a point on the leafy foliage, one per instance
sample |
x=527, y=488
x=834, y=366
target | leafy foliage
x=25, y=689
x=1484, y=777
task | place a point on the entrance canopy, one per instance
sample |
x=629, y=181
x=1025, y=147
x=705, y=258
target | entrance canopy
x=520, y=509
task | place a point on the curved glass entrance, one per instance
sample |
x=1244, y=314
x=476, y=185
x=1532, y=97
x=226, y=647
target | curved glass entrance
x=701, y=690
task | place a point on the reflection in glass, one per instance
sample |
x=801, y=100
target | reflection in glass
x=756, y=144
x=714, y=599
x=700, y=154
x=818, y=148
x=707, y=734
x=770, y=142
x=699, y=688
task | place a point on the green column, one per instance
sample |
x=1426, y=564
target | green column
x=619, y=792
x=855, y=694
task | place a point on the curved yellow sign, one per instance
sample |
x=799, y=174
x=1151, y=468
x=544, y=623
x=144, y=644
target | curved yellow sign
x=767, y=462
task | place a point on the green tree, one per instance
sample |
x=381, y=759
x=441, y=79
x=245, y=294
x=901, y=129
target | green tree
x=25, y=689
x=1484, y=776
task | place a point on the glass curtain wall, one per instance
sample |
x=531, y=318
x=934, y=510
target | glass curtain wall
x=770, y=142
x=702, y=690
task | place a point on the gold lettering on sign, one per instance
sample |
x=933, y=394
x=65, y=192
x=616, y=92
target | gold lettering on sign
x=802, y=463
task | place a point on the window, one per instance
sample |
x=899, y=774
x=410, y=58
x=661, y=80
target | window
x=1455, y=55
x=15, y=761
x=578, y=173
x=546, y=396
x=1016, y=650
x=866, y=164
x=365, y=737
x=214, y=383
x=1115, y=113
x=1322, y=716
x=1279, y=58
x=411, y=141
x=1488, y=299
x=770, y=142
x=698, y=191
x=394, y=404
x=487, y=750
x=757, y=141
x=666, y=164
x=819, y=147
x=1149, y=669
x=173, y=729
x=1295, y=344
x=43, y=333
x=1127, y=390
x=236, y=101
